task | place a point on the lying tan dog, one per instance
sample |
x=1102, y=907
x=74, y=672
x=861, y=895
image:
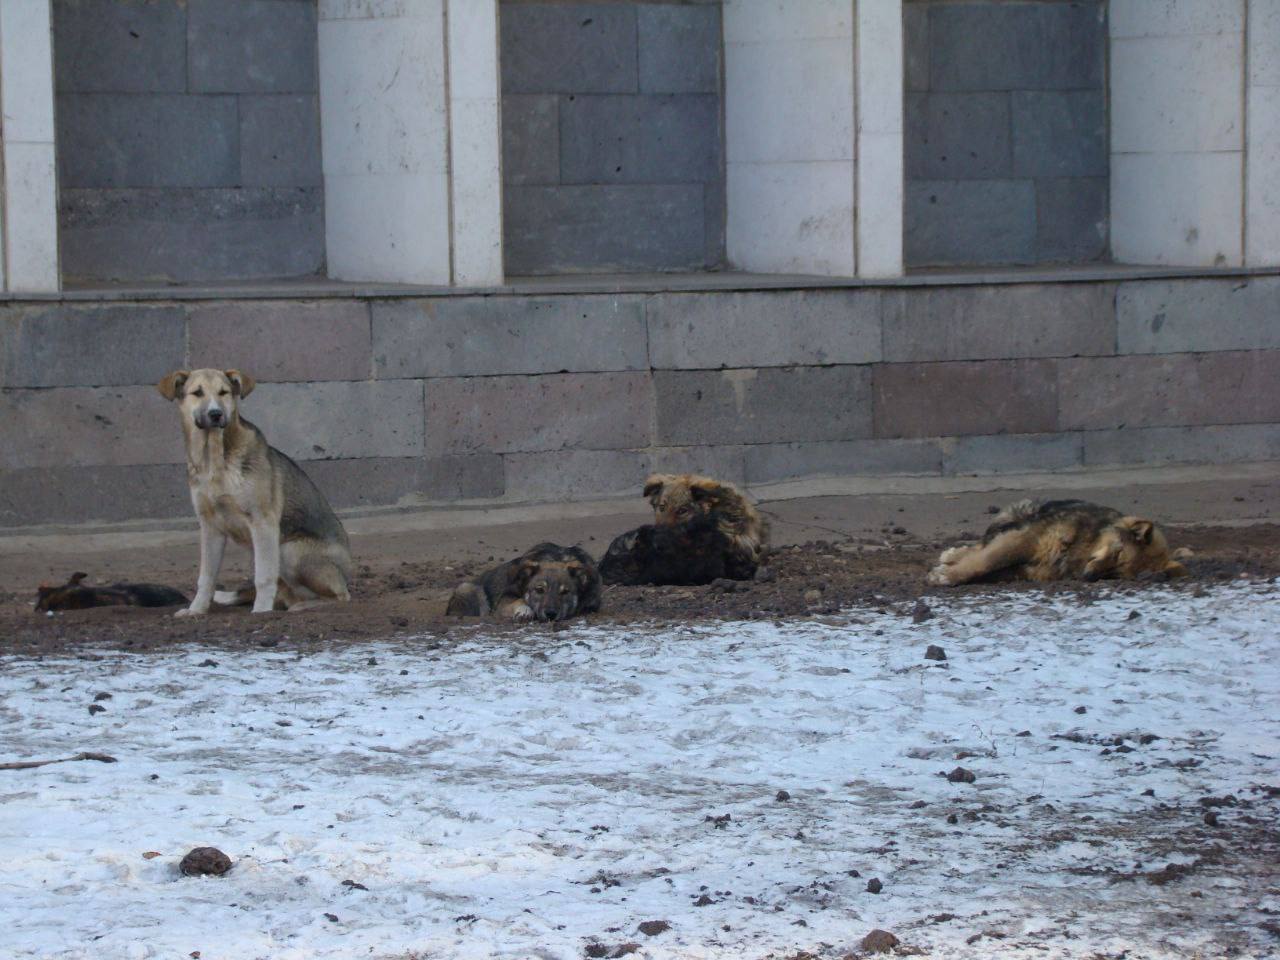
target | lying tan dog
x=1060, y=540
x=549, y=582
x=678, y=498
x=251, y=492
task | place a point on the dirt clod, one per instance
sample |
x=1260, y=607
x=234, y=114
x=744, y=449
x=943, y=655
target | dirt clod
x=651, y=928
x=782, y=796
x=961, y=775
x=874, y=885
x=766, y=575
x=205, y=862
x=96, y=708
x=935, y=652
x=921, y=612
x=1081, y=710
x=878, y=941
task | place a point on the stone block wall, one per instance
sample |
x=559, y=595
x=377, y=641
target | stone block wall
x=388, y=400
x=612, y=147
x=1006, y=132
x=188, y=139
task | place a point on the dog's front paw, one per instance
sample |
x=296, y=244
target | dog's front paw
x=953, y=554
x=940, y=576
x=190, y=612
x=521, y=612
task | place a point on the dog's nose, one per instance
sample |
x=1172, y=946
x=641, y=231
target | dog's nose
x=215, y=417
x=551, y=614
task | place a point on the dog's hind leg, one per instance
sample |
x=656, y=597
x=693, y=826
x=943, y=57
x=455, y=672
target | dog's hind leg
x=212, y=545
x=321, y=578
x=966, y=564
x=266, y=564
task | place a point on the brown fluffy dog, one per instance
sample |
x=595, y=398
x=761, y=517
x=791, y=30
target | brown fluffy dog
x=677, y=498
x=1060, y=540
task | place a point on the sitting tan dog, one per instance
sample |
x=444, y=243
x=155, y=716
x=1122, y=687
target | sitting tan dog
x=249, y=491
x=1060, y=540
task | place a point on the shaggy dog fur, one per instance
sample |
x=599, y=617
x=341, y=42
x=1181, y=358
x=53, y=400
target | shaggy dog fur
x=549, y=582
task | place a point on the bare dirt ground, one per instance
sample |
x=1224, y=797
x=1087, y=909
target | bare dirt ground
x=829, y=553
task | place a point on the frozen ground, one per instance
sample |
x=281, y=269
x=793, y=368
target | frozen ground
x=541, y=795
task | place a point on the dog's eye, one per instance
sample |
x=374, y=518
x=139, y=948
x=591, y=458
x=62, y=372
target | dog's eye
x=198, y=392
x=223, y=393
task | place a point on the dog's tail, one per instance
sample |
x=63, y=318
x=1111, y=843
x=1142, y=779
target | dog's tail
x=242, y=596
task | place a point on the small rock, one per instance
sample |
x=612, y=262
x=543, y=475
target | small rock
x=151, y=855
x=935, y=652
x=331, y=917
x=723, y=585
x=878, y=941
x=205, y=862
x=1081, y=710
x=952, y=819
x=96, y=708
x=961, y=775
x=1211, y=818
x=372, y=661
x=993, y=509
x=900, y=531
x=782, y=796
x=874, y=885
x=651, y=928
x=917, y=805
x=1134, y=615
x=812, y=595
x=354, y=885
x=920, y=613
x=1024, y=733
x=102, y=696
x=703, y=901
x=766, y=575
x=208, y=663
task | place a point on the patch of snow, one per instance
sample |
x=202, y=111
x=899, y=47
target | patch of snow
x=531, y=795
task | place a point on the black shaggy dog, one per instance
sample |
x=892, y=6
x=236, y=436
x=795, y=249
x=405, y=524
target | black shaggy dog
x=73, y=596
x=549, y=582
x=687, y=553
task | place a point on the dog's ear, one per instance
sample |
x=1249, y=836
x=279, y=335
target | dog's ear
x=171, y=386
x=708, y=492
x=653, y=486
x=578, y=571
x=524, y=573
x=76, y=578
x=241, y=383
x=1142, y=530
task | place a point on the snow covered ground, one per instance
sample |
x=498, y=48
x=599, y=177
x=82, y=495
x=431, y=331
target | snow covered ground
x=543, y=793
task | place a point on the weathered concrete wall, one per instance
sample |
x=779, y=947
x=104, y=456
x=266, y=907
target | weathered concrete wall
x=522, y=398
x=612, y=148
x=188, y=139
x=1006, y=132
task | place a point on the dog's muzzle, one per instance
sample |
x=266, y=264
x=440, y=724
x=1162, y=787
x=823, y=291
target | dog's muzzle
x=212, y=418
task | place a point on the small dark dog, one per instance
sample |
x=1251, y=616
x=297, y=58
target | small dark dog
x=693, y=551
x=73, y=596
x=549, y=582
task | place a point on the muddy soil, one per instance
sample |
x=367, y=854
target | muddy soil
x=395, y=597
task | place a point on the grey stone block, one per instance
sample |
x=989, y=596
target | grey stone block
x=88, y=426
x=1237, y=443
x=384, y=481
x=281, y=340
x=1013, y=453
x=570, y=474
x=915, y=41
x=1170, y=390
x=191, y=235
x=568, y=48
x=119, y=47
x=601, y=411
x=693, y=331
x=724, y=462
x=679, y=48
x=484, y=336
x=66, y=345
x=147, y=140
x=1072, y=220
x=1017, y=46
x=531, y=138
x=1179, y=316
x=957, y=399
x=958, y=136
x=713, y=225
x=775, y=462
x=672, y=138
x=763, y=405
x=251, y=46
x=999, y=322
x=603, y=228
x=340, y=420
x=1060, y=133
x=970, y=222
x=280, y=140
x=75, y=494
